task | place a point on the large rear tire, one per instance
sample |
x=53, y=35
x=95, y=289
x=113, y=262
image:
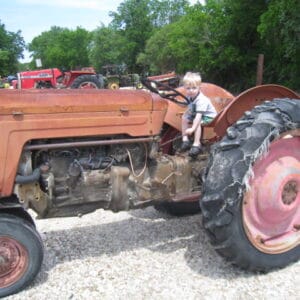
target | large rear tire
x=251, y=195
x=21, y=254
x=86, y=82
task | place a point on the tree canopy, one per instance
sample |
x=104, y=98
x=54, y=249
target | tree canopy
x=280, y=30
x=62, y=48
x=221, y=39
x=11, y=49
x=107, y=47
x=136, y=20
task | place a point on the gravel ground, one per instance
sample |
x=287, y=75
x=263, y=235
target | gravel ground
x=144, y=254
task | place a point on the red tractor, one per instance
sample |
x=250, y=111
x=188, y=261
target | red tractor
x=55, y=78
x=170, y=79
x=67, y=152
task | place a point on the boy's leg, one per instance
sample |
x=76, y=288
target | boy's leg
x=196, y=148
x=185, y=124
x=197, y=136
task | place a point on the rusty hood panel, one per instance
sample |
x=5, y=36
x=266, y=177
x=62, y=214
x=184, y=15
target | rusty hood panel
x=83, y=112
x=63, y=101
x=27, y=115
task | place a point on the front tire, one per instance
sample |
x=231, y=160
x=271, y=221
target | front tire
x=251, y=202
x=21, y=254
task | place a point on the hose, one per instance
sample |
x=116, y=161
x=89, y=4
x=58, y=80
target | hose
x=23, y=179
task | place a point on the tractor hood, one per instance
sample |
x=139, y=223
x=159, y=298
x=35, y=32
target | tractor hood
x=43, y=115
x=60, y=113
x=36, y=101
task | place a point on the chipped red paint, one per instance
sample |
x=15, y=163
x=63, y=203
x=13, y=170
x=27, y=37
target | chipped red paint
x=271, y=207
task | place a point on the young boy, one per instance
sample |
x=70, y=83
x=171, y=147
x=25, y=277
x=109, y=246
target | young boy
x=200, y=111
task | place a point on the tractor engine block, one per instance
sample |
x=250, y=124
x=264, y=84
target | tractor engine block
x=115, y=177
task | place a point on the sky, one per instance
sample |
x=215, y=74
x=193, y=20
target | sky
x=32, y=17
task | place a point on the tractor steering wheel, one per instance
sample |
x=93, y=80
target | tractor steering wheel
x=166, y=92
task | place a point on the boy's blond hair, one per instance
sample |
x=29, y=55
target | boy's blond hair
x=192, y=79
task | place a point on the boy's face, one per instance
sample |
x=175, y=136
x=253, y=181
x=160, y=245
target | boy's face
x=192, y=91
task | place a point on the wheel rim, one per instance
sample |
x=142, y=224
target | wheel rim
x=13, y=261
x=139, y=86
x=113, y=86
x=271, y=207
x=88, y=85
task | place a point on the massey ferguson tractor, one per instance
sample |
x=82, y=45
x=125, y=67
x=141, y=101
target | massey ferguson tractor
x=85, y=78
x=65, y=152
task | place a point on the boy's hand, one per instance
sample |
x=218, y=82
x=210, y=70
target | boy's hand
x=189, y=131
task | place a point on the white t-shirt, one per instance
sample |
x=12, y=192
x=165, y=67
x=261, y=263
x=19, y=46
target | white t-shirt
x=202, y=105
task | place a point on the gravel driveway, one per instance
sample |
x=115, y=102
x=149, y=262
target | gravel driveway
x=144, y=254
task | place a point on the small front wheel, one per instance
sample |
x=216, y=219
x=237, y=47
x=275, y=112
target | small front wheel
x=21, y=254
x=113, y=86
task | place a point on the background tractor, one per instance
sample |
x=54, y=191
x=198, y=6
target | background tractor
x=168, y=80
x=116, y=76
x=67, y=152
x=85, y=78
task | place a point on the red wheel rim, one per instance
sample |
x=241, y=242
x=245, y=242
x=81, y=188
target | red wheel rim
x=271, y=206
x=88, y=85
x=13, y=261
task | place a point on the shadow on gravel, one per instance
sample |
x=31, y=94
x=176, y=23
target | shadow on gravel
x=146, y=228
x=200, y=255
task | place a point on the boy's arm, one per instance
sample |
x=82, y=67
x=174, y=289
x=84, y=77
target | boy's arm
x=196, y=123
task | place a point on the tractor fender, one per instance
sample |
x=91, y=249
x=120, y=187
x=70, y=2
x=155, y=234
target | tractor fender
x=245, y=102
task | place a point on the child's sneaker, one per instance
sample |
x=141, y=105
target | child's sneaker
x=195, y=150
x=186, y=145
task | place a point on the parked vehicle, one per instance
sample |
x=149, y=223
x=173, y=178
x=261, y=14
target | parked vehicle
x=67, y=152
x=85, y=78
x=116, y=76
x=170, y=79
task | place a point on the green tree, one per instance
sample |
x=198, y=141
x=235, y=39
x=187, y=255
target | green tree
x=223, y=39
x=280, y=31
x=230, y=56
x=133, y=22
x=11, y=49
x=176, y=46
x=158, y=57
x=136, y=20
x=107, y=47
x=62, y=48
x=167, y=11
